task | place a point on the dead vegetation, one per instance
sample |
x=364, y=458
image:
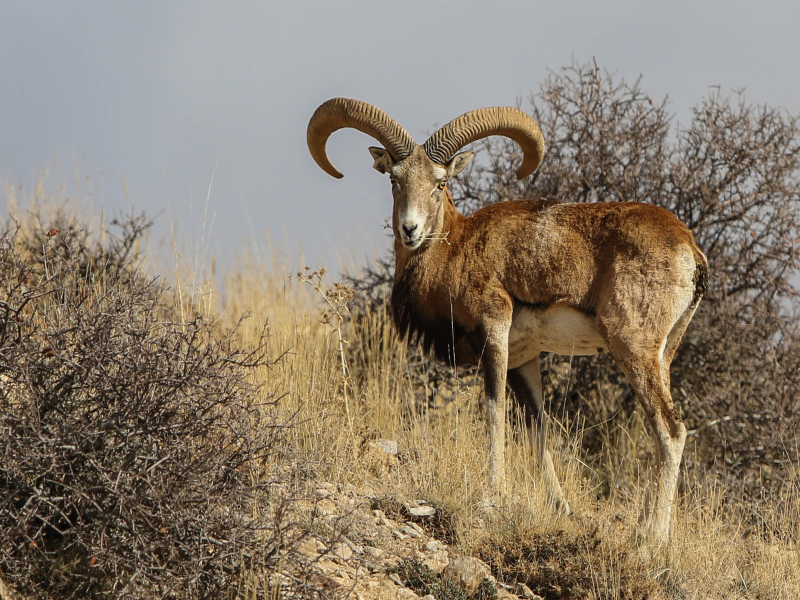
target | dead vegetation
x=563, y=564
x=135, y=444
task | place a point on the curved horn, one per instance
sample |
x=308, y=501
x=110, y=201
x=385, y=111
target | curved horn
x=338, y=113
x=481, y=123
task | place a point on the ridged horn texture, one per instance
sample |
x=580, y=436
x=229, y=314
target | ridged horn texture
x=338, y=113
x=483, y=122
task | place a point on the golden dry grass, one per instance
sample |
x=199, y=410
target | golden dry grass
x=444, y=461
x=443, y=454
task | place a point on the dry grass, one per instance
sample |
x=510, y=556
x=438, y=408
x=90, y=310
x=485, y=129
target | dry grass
x=443, y=459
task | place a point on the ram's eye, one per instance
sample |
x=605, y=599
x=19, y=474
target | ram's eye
x=442, y=184
x=392, y=180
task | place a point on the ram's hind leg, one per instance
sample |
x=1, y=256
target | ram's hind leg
x=638, y=342
x=526, y=383
x=669, y=435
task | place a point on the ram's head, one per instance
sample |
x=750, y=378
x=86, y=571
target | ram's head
x=419, y=173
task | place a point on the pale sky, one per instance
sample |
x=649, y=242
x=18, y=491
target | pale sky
x=167, y=94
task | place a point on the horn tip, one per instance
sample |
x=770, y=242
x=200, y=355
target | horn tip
x=333, y=172
x=522, y=173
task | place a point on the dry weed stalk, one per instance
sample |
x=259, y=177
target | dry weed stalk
x=335, y=316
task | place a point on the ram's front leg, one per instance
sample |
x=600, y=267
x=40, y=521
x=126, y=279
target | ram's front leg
x=495, y=365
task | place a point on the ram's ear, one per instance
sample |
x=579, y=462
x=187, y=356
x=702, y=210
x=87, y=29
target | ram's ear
x=383, y=160
x=458, y=163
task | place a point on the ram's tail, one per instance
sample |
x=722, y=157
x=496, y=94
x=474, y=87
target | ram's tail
x=700, y=276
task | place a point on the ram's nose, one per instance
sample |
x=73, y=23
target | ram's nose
x=409, y=229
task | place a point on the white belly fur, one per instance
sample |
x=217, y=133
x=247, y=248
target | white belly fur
x=558, y=329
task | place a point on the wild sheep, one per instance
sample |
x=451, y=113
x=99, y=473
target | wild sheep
x=519, y=278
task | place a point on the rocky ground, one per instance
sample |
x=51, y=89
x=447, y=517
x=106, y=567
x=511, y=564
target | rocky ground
x=372, y=555
x=368, y=546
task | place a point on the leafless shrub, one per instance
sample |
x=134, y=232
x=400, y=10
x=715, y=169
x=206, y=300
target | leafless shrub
x=565, y=564
x=733, y=176
x=131, y=440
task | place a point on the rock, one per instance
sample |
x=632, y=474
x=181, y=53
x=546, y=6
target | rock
x=468, y=572
x=325, y=489
x=374, y=552
x=368, y=492
x=342, y=551
x=422, y=511
x=388, y=446
x=410, y=531
x=416, y=528
x=523, y=591
x=402, y=591
x=419, y=508
x=436, y=561
x=380, y=457
x=327, y=507
x=307, y=548
x=380, y=589
x=356, y=548
x=435, y=546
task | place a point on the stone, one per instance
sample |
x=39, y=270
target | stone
x=410, y=531
x=435, y=546
x=368, y=492
x=325, y=489
x=327, y=507
x=388, y=446
x=468, y=572
x=308, y=548
x=416, y=528
x=436, y=561
x=342, y=551
x=523, y=591
x=422, y=511
x=380, y=589
x=419, y=508
x=357, y=548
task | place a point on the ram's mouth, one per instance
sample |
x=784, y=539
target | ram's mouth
x=412, y=243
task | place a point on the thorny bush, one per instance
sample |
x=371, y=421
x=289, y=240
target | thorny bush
x=733, y=176
x=129, y=438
